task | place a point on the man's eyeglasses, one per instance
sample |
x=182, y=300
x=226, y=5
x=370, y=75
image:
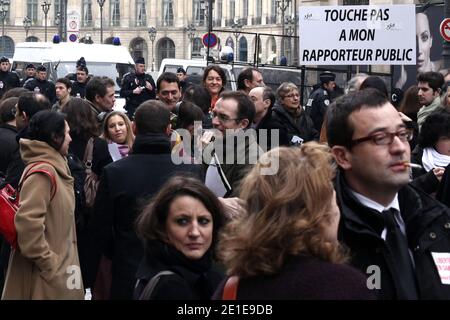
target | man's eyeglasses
x=223, y=118
x=385, y=138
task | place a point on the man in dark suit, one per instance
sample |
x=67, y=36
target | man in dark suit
x=397, y=234
x=125, y=186
x=264, y=99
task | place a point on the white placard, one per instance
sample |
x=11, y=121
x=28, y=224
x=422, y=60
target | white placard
x=442, y=262
x=345, y=35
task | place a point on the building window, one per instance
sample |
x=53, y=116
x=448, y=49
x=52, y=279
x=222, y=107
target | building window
x=243, y=49
x=167, y=13
x=219, y=10
x=197, y=45
x=32, y=10
x=114, y=14
x=258, y=8
x=32, y=39
x=138, y=48
x=198, y=13
x=8, y=50
x=166, y=49
x=87, y=13
x=141, y=13
x=232, y=9
x=245, y=9
x=56, y=13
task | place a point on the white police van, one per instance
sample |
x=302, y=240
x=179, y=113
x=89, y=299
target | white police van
x=60, y=59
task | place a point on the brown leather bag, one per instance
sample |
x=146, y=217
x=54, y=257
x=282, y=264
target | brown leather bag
x=92, y=181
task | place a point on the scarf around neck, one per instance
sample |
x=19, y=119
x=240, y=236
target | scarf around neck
x=432, y=159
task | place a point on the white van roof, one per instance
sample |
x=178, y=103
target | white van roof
x=39, y=52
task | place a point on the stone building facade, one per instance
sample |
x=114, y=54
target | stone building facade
x=180, y=25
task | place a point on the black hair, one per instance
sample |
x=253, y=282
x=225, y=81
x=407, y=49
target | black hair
x=339, y=129
x=217, y=69
x=269, y=94
x=246, y=74
x=245, y=106
x=199, y=96
x=434, y=79
x=30, y=103
x=151, y=116
x=150, y=225
x=98, y=86
x=48, y=126
x=436, y=125
x=375, y=83
x=168, y=77
x=187, y=114
x=65, y=82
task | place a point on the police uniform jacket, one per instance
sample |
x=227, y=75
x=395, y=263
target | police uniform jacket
x=45, y=87
x=8, y=80
x=79, y=88
x=317, y=105
x=130, y=82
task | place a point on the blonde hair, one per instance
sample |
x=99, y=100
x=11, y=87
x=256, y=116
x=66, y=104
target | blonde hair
x=105, y=134
x=286, y=213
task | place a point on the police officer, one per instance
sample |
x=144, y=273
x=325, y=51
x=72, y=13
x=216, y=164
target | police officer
x=42, y=85
x=137, y=87
x=30, y=72
x=319, y=100
x=79, y=86
x=8, y=79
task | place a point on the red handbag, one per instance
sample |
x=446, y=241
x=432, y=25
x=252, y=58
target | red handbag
x=9, y=204
x=230, y=289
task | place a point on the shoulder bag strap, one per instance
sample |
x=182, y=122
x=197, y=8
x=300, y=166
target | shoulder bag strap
x=230, y=289
x=46, y=172
x=148, y=290
x=88, y=153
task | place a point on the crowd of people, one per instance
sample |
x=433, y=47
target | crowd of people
x=195, y=187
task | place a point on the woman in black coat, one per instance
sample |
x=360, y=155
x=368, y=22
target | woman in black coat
x=179, y=229
x=432, y=152
x=83, y=126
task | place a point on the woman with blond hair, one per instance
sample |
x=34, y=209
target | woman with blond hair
x=117, y=131
x=285, y=246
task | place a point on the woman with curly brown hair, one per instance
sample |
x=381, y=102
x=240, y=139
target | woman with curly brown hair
x=285, y=246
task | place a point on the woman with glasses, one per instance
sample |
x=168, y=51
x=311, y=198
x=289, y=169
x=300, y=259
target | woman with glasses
x=290, y=115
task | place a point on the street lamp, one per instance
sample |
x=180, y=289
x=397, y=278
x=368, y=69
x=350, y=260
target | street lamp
x=4, y=8
x=26, y=26
x=101, y=3
x=152, y=35
x=237, y=25
x=282, y=5
x=190, y=30
x=290, y=24
x=45, y=7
